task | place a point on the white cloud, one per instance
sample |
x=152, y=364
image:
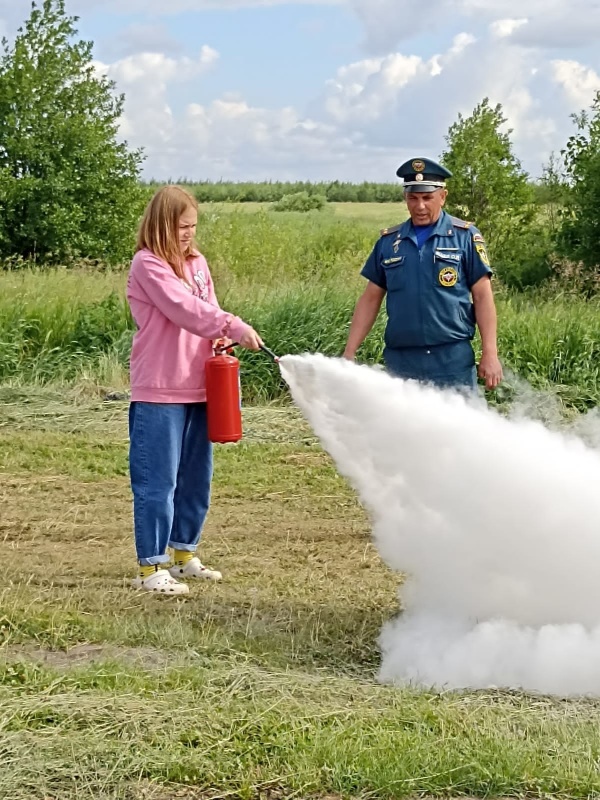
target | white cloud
x=413, y=115
x=372, y=114
x=143, y=37
x=365, y=88
x=388, y=22
x=502, y=28
x=149, y=120
x=580, y=83
x=550, y=23
x=389, y=95
x=162, y=8
x=155, y=70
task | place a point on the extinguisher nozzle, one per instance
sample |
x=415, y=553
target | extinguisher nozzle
x=266, y=350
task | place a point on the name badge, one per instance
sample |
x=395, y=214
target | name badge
x=391, y=262
x=444, y=255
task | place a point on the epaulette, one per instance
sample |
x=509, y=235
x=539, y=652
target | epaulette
x=460, y=223
x=386, y=231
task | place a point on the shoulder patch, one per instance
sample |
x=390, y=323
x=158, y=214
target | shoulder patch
x=460, y=223
x=393, y=229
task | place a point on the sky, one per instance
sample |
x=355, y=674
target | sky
x=321, y=90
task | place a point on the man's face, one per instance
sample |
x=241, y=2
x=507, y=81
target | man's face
x=425, y=207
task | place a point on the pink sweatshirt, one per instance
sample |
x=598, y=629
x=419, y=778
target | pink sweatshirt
x=177, y=323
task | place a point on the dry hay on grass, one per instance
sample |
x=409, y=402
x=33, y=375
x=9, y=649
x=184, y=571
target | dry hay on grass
x=301, y=575
x=71, y=411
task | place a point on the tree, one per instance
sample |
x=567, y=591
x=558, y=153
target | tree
x=490, y=188
x=580, y=230
x=487, y=177
x=68, y=188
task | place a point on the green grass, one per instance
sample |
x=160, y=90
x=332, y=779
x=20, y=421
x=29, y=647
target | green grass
x=75, y=328
x=263, y=686
x=239, y=730
x=295, y=277
x=380, y=214
x=260, y=687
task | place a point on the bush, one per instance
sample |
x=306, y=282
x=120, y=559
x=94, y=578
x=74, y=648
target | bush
x=524, y=258
x=580, y=229
x=300, y=201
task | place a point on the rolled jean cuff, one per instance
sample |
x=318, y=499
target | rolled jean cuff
x=190, y=548
x=153, y=560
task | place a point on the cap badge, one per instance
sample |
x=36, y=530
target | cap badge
x=419, y=176
x=418, y=165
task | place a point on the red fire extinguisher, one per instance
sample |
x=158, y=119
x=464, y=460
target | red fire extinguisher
x=223, y=401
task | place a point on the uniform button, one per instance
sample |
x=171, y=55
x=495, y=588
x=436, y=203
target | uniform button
x=428, y=352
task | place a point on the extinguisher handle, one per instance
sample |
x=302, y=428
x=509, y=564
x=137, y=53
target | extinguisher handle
x=226, y=348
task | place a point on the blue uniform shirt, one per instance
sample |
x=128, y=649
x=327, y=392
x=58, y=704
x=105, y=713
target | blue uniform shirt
x=429, y=289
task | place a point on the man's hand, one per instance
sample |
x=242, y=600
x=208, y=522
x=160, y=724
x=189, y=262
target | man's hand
x=490, y=370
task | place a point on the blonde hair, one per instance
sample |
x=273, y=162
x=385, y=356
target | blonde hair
x=159, y=228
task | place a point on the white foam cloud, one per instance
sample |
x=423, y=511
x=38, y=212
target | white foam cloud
x=494, y=521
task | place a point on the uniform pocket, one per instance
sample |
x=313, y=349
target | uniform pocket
x=447, y=271
x=395, y=273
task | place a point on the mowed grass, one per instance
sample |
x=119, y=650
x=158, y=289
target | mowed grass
x=261, y=686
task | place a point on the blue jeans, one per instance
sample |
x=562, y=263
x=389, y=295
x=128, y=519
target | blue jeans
x=444, y=365
x=170, y=464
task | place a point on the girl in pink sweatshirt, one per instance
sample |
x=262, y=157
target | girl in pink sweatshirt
x=173, y=303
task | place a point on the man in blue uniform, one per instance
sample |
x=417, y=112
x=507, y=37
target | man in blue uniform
x=435, y=272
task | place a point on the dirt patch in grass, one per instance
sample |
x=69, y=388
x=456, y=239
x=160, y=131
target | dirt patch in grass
x=81, y=655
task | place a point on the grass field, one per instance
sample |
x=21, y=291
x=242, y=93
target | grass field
x=262, y=686
x=379, y=214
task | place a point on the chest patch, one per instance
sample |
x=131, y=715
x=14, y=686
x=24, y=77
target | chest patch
x=445, y=255
x=448, y=276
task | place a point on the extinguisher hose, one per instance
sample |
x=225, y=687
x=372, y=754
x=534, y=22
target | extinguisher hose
x=263, y=347
x=269, y=353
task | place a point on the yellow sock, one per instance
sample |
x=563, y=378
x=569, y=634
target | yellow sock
x=182, y=557
x=148, y=569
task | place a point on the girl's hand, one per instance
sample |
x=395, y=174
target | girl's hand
x=251, y=340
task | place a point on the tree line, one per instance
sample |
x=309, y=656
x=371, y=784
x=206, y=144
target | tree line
x=70, y=190
x=274, y=191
